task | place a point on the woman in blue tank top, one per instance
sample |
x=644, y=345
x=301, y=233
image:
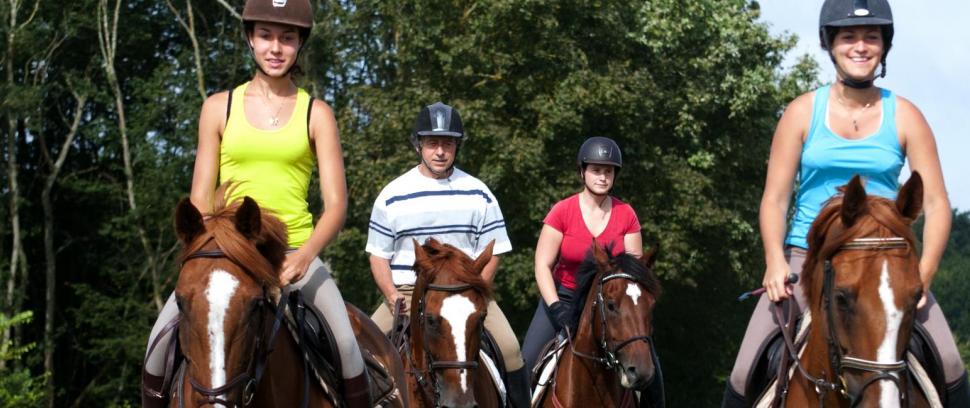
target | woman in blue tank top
x=823, y=139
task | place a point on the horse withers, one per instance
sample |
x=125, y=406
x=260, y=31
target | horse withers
x=611, y=357
x=238, y=350
x=443, y=340
x=862, y=284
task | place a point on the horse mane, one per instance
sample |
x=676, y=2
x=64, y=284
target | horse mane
x=589, y=272
x=261, y=256
x=443, y=257
x=878, y=215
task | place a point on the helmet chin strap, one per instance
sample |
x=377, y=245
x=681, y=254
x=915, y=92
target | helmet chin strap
x=855, y=83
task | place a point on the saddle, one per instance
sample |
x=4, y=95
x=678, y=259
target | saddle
x=774, y=362
x=316, y=341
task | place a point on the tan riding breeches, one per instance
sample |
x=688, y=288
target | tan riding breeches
x=495, y=322
x=762, y=324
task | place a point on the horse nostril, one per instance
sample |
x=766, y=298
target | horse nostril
x=632, y=370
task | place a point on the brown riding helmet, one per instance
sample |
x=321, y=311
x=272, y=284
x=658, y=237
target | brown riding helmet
x=290, y=12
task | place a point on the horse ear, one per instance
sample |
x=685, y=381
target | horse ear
x=853, y=202
x=188, y=221
x=650, y=257
x=484, y=258
x=909, y=201
x=600, y=255
x=248, y=219
x=420, y=255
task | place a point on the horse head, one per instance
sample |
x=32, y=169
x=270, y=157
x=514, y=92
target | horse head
x=862, y=282
x=620, y=294
x=448, y=311
x=229, y=268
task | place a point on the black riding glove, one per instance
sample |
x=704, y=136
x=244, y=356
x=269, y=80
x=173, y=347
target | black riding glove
x=560, y=315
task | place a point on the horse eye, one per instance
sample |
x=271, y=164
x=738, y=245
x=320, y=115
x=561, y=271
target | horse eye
x=844, y=300
x=431, y=320
x=178, y=303
x=611, y=305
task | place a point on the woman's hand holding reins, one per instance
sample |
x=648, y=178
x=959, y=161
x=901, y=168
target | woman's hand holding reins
x=776, y=280
x=295, y=266
x=560, y=315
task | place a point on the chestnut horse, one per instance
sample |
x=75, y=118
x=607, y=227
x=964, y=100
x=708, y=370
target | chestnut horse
x=238, y=351
x=448, y=308
x=611, y=355
x=862, y=285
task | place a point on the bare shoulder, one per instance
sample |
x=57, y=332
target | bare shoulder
x=217, y=101
x=907, y=110
x=212, y=118
x=801, y=105
x=321, y=110
x=323, y=125
x=797, y=117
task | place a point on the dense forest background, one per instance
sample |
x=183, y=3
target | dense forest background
x=100, y=101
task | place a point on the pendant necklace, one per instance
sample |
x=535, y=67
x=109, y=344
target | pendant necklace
x=855, y=117
x=274, y=120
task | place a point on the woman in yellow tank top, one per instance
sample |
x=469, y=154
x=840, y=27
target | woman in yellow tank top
x=263, y=136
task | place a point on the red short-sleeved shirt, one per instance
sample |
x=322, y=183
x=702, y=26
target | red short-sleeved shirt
x=567, y=218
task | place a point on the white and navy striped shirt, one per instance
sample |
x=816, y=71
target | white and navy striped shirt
x=459, y=210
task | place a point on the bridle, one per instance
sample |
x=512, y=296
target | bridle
x=609, y=359
x=251, y=377
x=426, y=378
x=837, y=358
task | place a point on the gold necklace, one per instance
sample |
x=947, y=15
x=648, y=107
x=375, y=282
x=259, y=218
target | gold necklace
x=855, y=117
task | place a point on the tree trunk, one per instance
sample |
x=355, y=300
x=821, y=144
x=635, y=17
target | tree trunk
x=50, y=258
x=108, y=41
x=189, y=28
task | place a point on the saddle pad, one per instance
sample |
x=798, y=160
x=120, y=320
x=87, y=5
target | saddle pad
x=547, y=369
x=915, y=368
x=496, y=375
x=768, y=397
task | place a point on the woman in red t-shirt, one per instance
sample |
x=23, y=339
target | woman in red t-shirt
x=570, y=228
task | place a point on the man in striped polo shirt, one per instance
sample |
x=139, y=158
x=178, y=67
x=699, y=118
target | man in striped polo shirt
x=436, y=199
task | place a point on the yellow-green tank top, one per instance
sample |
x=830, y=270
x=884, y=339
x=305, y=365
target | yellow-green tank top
x=272, y=167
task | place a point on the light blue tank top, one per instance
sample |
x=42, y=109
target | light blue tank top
x=829, y=161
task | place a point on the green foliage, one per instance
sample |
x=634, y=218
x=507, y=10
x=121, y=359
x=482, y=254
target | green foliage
x=951, y=283
x=18, y=386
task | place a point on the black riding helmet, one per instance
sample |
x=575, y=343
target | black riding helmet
x=851, y=13
x=437, y=119
x=599, y=150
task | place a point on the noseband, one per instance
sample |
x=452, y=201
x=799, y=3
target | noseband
x=250, y=378
x=837, y=358
x=424, y=376
x=609, y=354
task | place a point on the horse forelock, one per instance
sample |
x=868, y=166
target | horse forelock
x=879, y=218
x=590, y=271
x=262, y=257
x=447, y=259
